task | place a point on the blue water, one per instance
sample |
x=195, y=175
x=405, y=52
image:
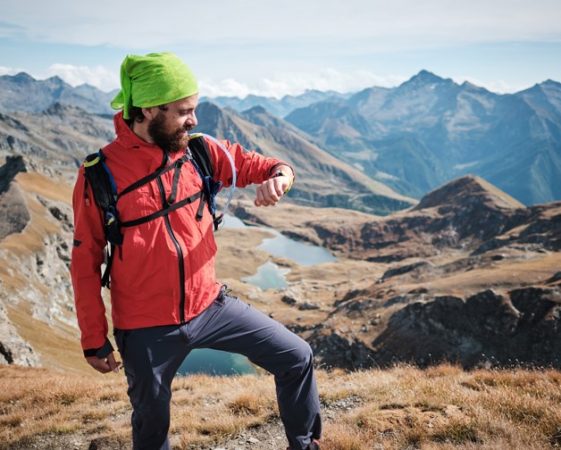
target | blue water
x=300, y=252
x=215, y=362
x=232, y=222
x=268, y=276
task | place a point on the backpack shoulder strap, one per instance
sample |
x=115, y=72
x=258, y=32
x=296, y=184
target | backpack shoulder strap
x=203, y=163
x=104, y=190
x=201, y=154
x=101, y=180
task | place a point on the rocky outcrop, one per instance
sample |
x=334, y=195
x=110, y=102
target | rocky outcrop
x=484, y=329
x=336, y=350
x=13, y=166
x=14, y=214
x=519, y=328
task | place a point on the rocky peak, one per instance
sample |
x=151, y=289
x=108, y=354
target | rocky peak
x=256, y=110
x=13, y=166
x=211, y=113
x=468, y=190
x=55, y=80
x=260, y=116
x=21, y=77
x=550, y=83
x=425, y=77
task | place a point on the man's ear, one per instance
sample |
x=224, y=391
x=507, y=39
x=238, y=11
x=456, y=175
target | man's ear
x=149, y=113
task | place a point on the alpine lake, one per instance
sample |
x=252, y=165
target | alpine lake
x=268, y=276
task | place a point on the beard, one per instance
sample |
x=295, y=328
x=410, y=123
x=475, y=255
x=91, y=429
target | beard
x=170, y=142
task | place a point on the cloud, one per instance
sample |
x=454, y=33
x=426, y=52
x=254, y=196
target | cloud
x=497, y=86
x=9, y=71
x=288, y=83
x=294, y=83
x=98, y=76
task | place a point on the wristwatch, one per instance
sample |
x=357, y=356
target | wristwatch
x=280, y=173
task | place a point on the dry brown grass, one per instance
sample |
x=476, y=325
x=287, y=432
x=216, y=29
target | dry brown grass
x=404, y=407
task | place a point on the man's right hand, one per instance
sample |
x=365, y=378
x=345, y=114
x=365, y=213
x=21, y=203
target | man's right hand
x=104, y=365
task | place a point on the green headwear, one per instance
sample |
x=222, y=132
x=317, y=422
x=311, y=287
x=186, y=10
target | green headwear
x=153, y=80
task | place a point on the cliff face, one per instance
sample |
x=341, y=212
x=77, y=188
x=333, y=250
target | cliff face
x=35, y=231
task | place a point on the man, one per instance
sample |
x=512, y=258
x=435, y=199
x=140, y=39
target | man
x=165, y=299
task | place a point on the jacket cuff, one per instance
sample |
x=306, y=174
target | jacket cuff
x=277, y=165
x=100, y=352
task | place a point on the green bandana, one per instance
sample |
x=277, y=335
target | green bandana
x=153, y=80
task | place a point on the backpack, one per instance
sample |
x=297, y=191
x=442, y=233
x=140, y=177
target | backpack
x=106, y=196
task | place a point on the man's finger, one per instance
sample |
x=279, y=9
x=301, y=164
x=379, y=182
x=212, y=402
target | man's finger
x=280, y=184
x=98, y=364
x=272, y=190
x=113, y=365
x=259, y=197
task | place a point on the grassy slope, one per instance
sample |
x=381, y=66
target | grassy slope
x=439, y=408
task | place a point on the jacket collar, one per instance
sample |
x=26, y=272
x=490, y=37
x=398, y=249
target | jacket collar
x=128, y=138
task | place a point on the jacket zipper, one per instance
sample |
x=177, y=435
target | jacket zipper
x=179, y=254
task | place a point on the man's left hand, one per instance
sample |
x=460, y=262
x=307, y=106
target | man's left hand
x=271, y=191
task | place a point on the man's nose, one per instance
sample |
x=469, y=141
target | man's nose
x=191, y=121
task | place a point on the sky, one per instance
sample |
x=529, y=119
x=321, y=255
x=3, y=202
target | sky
x=263, y=47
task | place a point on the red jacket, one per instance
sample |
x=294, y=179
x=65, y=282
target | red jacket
x=146, y=286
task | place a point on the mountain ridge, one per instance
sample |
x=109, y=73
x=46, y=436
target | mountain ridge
x=323, y=179
x=457, y=129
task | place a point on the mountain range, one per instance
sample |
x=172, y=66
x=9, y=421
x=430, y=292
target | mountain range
x=56, y=140
x=412, y=138
x=22, y=92
x=323, y=180
x=279, y=107
x=430, y=130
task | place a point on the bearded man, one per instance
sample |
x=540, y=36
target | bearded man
x=165, y=298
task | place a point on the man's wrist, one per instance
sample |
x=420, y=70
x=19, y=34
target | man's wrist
x=284, y=171
x=100, y=352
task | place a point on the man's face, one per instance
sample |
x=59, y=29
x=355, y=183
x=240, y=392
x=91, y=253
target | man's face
x=169, y=129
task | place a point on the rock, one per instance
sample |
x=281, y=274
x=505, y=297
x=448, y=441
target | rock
x=555, y=278
x=414, y=267
x=306, y=306
x=13, y=166
x=14, y=215
x=336, y=350
x=524, y=328
x=289, y=300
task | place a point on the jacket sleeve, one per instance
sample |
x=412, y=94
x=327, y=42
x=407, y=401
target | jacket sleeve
x=85, y=270
x=251, y=167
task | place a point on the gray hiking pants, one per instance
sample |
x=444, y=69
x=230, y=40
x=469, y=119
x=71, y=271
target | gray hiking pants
x=151, y=357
